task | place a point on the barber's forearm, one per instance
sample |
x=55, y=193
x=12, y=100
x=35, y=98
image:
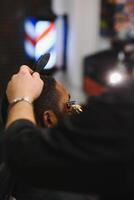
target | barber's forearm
x=21, y=110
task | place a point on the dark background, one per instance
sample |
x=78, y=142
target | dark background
x=12, y=15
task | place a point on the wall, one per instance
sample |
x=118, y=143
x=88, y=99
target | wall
x=84, y=37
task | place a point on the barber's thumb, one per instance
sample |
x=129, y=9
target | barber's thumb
x=36, y=75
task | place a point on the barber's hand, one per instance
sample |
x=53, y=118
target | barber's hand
x=24, y=84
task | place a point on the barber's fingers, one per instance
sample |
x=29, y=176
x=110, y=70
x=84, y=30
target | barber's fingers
x=14, y=76
x=24, y=69
x=35, y=75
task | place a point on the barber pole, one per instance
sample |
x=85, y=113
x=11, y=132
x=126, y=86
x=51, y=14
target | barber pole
x=40, y=38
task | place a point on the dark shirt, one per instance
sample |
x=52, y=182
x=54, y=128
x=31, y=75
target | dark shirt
x=92, y=152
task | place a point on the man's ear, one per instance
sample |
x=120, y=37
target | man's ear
x=49, y=118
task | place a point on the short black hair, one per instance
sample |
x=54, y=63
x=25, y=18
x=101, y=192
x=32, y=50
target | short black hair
x=48, y=100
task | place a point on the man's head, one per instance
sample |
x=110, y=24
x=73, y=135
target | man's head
x=52, y=105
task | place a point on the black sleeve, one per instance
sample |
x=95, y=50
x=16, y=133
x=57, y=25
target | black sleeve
x=82, y=154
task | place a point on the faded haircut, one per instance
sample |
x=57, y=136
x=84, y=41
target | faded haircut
x=48, y=100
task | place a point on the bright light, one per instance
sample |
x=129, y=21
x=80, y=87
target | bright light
x=115, y=78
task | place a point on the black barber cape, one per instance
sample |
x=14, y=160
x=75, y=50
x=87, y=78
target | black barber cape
x=92, y=152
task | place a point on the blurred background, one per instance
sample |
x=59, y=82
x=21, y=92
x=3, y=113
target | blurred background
x=90, y=41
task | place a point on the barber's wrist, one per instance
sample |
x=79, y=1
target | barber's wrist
x=21, y=99
x=20, y=108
